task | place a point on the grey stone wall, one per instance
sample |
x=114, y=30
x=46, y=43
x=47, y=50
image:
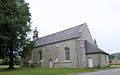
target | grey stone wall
x=81, y=53
x=95, y=58
x=56, y=53
x=86, y=34
x=99, y=60
x=104, y=59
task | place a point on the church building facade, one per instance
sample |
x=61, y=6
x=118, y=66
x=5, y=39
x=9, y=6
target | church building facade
x=72, y=48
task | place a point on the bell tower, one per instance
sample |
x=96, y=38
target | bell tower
x=35, y=34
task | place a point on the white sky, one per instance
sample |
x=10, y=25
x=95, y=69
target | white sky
x=101, y=16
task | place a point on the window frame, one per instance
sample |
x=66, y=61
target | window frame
x=40, y=55
x=67, y=53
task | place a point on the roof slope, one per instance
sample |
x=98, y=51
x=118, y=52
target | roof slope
x=59, y=36
x=90, y=49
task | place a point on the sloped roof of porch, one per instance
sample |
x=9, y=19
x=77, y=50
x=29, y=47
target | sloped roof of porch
x=91, y=49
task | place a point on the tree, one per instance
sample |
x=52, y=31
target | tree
x=26, y=53
x=27, y=49
x=14, y=26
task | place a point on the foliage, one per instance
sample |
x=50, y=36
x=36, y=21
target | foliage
x=114, y=55
x=1, y=60
x=5, y=61
x=17, y=60
x=14, y=27
x=32, y=66
x=111, y=58
x=26, y=53
x=27, y=49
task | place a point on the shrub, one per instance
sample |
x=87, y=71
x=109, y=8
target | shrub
x=32, y=66
x=17, y=61
x=5, y=61
x=1, y=60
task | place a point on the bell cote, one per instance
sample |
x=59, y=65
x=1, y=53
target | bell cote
x=35, y=34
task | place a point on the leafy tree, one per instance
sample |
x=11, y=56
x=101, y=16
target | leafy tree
x=26, y=53
x=14, y=26
x=27, y=49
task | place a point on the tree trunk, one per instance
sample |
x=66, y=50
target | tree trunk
x=11, y=65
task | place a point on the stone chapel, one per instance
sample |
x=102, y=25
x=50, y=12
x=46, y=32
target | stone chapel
x=73, y=48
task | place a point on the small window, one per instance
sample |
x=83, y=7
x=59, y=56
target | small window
x=40, y=55
x=67, y=53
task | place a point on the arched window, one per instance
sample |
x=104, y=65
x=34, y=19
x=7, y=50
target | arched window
x=67, y=53
x=40, y=55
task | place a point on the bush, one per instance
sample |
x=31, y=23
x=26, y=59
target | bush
x=5, y=61
x=1, y=60
x=32, y=66
x=17, y=61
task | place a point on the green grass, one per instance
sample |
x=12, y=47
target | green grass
x=115, y=66
x=110, y=67
x=5, y=66
x=47, y=71
x=44, y=71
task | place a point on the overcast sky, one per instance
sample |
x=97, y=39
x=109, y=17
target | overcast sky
x=101, y=16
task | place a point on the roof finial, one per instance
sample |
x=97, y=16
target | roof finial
x=95, y=41
x=35, y=28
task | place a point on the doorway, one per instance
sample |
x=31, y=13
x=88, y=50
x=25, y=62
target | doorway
x=50, y=63
x=90, y=62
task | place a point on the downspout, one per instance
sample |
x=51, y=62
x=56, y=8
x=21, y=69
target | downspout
x=77, y=54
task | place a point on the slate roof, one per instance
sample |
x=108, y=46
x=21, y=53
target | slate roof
x=90, y=49
x=67, y=34
x=59, y=36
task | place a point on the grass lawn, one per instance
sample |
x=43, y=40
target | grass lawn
x=48, y=71
x=115, y=66
x=44, y=71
